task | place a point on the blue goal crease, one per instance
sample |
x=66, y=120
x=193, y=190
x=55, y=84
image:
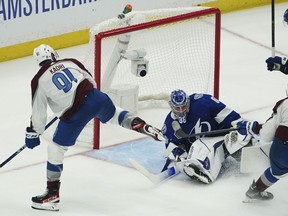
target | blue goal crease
x=148, y=152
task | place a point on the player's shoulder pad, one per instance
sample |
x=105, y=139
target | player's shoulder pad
x=278, y=104
x=196, y=96
x=214, y=99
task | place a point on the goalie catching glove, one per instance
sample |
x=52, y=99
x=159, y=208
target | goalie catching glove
x=32, y=138
x=178, y=154
x=175, y=156
x=277, y=63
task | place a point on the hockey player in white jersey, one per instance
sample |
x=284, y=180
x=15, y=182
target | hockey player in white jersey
x=200, y=158
x=274, y=130
x=67, y=87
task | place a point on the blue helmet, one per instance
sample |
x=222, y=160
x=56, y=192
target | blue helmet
x=179, y=103
x=285, y=16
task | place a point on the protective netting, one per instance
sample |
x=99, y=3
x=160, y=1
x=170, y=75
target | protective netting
x=182, y=52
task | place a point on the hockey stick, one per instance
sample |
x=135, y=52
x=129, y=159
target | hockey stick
x=181, y=134
x=24, y=146
x=155, y=178
x=273, y=27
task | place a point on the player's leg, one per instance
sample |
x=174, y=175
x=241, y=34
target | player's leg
x=98, y=104
x=205, y=159
x=50, y=199
x=278, y=169
x=65, y=135
x=95, y=104
x=129, y=121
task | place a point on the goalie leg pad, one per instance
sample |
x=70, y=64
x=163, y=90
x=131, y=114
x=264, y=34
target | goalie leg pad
x=206, y=156
x=197, y=174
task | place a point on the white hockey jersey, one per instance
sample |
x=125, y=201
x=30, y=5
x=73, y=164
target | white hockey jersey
x=277, y=124
x=62, y=85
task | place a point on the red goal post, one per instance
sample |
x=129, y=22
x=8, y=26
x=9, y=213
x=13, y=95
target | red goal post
x=182, y=46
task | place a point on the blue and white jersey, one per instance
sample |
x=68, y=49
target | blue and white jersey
x=206, y=113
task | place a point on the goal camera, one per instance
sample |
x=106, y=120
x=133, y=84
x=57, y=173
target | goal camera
x=139, y=65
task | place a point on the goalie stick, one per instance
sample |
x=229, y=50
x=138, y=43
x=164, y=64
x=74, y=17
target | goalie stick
x=155, y=178
x=164, y=175
x=181, y=134
x=24, y=146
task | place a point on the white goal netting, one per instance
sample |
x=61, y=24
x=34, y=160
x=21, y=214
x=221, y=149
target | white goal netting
x=181, y=48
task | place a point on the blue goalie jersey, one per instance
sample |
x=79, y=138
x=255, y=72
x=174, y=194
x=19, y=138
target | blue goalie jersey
x=206, y=113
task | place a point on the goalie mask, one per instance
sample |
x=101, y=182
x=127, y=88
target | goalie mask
x=179, y=103
x=43, y=53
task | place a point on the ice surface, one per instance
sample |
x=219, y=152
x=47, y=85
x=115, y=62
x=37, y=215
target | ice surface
x=107, y=186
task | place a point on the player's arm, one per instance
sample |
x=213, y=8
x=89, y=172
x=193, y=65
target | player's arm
x=277, y=63
x=38, y=120
x=39, y=111
x=277, y=125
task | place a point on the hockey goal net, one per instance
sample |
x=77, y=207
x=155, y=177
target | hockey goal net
x=177, y=48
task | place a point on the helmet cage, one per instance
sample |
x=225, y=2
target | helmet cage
x=179, y=104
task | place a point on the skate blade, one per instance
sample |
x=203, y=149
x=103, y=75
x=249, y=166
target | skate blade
x=46, y=206
x=249, y=200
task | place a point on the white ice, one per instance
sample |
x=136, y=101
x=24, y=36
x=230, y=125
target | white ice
x=96, y=187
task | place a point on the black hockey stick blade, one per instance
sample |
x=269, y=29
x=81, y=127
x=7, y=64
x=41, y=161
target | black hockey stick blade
x=24, y=146
x=181, y=134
